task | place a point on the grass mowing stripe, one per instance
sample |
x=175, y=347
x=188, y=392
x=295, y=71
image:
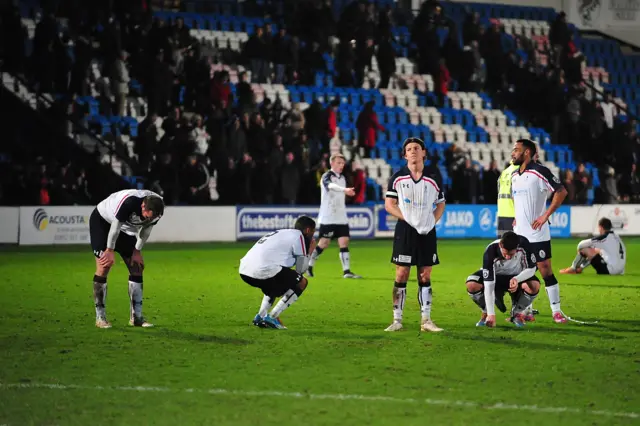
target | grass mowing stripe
x=336, y=397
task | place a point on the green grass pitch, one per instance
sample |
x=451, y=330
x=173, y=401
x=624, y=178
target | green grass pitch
x=204, y=364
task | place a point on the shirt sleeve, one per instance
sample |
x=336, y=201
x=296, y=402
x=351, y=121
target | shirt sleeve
x=531, y=258
x=299, y=246
x=127, y=207
x=326, y=180
x=548, y=181
x=391, y=190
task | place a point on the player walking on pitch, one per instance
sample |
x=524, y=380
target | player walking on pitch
x=267, y=266
x=121, y=224
x=606, y=252
x=333, y=215
x=508, y=265
x=410, y=197
x=531, y=185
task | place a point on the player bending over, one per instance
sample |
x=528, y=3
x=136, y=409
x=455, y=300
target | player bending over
x=121, y=224
x=411, y=197
x=531, y=185
x=267, y=266
x=333, y=215
x=606, y=252
x=508, y=265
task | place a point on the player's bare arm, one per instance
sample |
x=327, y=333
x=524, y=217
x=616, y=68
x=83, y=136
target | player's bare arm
x=391, y=206
x=439, y=211
x=558, y=198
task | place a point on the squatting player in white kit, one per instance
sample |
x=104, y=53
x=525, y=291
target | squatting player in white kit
x=508, y=265
x=606, y=252
x=411, y=196
x=531, y=185
x=333, y=215
x=267, y=266
x=121, y=224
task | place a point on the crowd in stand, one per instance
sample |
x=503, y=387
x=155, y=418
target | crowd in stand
x=219, y=145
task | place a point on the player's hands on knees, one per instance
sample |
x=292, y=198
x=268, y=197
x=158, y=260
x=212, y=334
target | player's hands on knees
x=107, y=259
x=513, y=285
x=350, y=192
x=490, y=321
x=136, y=259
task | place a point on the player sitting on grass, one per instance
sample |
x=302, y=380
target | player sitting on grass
x=121, y=224
x=267, y=266
x=507, y=265
x=606, y=252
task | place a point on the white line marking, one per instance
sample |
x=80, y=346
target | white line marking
x=336, y=397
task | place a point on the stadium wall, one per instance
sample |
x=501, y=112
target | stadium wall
x=34, y=225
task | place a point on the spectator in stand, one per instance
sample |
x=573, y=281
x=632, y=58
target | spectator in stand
x=220, y=90
x=582, y=184
x=345, y=63
x=246, y=97
x=195, y=180
x=364, y=52
x=443, y=80
x=254, y=51
x=569, y=183
x=359, y=183
x=332, y=121
x=290, y=180
x=386, y=57
x=471, y=28
x=281, y=55
x=559, y=33
x=490, y=183
x=120, y=83
x=368, y=126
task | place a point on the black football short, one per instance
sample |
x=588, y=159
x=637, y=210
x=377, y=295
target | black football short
x=276, y=286
x=600, y=265
x=99, y=234
x=413, y=249
x=334, y=231
x=541, y=250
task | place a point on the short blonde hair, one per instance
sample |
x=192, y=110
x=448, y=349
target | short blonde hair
x=334, y=157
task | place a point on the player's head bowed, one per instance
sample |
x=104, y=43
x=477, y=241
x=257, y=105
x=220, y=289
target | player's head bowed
x=152, y=207
x=509, y=244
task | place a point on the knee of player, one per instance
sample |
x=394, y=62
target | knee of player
x=402, y=275
x=545, y=268
x=424, y=275
x=102, y=271
x=302, y=285
x=531, y=286
x=474, y=286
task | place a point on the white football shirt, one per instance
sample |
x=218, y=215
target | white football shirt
x=271, y=253
x=126, y=207
x=333, y=209
x=530, y=190
x=416, y=198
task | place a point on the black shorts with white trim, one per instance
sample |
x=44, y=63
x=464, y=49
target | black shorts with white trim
x=541, y=250
x=413, y=249
x=99, y=234
x=334, y=231
x=276, y=286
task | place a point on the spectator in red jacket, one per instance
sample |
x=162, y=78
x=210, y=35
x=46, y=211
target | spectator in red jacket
x=332, y=119
x=220, y=90
x=444, y=78
x=359, y=183
x=367, y=125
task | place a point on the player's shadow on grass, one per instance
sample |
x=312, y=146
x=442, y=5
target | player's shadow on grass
x=198, y=337
x=512, y=342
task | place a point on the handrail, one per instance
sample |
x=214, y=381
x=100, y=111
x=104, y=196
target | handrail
x=620, y=107
x=78, y=127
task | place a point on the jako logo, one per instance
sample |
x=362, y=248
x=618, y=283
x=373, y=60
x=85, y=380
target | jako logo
x=486, y=219
x=40, y=219
x=459, y=219
x=559, y=220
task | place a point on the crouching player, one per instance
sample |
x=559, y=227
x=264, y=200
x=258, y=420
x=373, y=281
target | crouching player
x=508, y=266
x=267, y=266
x=606, y=252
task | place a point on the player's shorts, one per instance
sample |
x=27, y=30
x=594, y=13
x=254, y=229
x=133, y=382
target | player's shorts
x=504, y=224
x=276, y=286
x=413, y=249
x=334, y=231
x=600, y=265
x=541, y=250
x=99, y=233
x=502, y=286
x=502, y=281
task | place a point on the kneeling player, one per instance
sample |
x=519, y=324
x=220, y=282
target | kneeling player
x=267, y=266
x=122, y=224
x=606, y=252
x=507, y=266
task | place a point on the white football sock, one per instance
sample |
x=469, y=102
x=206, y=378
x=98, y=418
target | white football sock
x=135, y=298
x=315, y=255
x=400, y=297
x=553, y=293
x=265, y=306
x=287, y=300
x=345, y=259
x=424, y=297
